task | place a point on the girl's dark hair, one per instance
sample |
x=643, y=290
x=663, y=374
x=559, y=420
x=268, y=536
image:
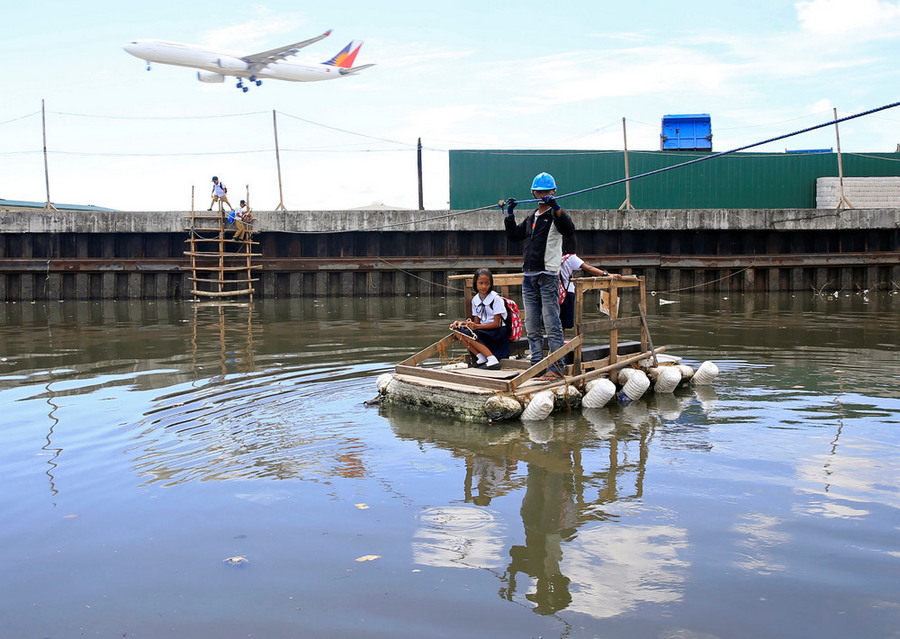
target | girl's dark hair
x=569, y=244
x=479, y=273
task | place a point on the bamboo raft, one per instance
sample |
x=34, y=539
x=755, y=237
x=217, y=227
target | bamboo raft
x=593, y=374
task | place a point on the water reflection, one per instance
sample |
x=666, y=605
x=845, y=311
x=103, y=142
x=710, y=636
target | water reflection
x=611, y=522
x=583, y=478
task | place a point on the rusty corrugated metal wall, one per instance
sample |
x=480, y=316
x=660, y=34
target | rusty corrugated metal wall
x=741, y=180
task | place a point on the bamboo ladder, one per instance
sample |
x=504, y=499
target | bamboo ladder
x=217, y=269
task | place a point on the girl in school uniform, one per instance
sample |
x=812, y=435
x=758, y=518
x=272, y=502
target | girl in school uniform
x=485, y=334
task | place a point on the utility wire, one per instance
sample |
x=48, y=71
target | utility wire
x=363, y=135
x=628, y=179
x=21, y=117
x=712, y=156
x=160, y=117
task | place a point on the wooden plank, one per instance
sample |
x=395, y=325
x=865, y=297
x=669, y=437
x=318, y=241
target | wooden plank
x=226, y=268
x=439, y=346
x=552, y=358
x=520, y=364
x=606, y=324
x=246, y=291
x=450, y=376
x=228, y=255
x=224, y=281
x=585, y=377
x=500, y=279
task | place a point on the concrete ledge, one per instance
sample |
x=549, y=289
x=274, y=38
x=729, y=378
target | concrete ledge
x=491, y=220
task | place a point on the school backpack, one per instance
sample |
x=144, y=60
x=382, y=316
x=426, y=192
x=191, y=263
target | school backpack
x=561, y=286
x=513, y=320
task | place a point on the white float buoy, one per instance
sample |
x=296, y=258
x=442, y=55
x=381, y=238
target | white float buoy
x=566, y=397
x=705, y=374
x=686, y=371
x=500, y=407
x=634, y=388
x=599, y=392
x=381, y=383
x=540, y=406
x=626, y=373
x=667, y=380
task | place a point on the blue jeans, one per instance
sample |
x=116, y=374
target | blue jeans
x=540, y=293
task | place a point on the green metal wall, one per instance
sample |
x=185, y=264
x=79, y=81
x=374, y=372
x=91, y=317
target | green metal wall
x=741, y=180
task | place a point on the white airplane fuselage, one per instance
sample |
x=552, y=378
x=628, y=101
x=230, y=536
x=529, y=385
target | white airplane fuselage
x=216, y=62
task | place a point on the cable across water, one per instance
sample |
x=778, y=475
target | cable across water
x=622, y=180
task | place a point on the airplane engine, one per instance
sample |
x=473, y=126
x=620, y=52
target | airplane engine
x=227, y=63
x=209, y=76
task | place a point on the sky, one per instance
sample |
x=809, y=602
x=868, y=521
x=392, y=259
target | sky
x=458, y=75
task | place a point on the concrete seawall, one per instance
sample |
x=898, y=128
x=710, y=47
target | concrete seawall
x=127, y=255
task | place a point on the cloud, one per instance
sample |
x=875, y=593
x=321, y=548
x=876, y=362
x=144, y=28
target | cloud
x=872, y=19
x=255, y=33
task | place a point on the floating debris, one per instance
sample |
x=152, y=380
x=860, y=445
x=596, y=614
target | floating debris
x=368, y=558
x=362, y=506
x=236, y=560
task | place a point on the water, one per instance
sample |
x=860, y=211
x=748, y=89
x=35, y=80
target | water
x=144, y=443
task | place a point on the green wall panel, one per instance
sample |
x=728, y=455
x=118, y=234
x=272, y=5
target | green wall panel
x=740, y=180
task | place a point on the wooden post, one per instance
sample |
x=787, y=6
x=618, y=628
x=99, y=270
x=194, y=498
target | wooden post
x=280, y=206
x=842, y=199
x=626, y=205
x=419, y=158
x=614, y=332
x=47, y=205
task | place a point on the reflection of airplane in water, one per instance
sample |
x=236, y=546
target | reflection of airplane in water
x=578, y=554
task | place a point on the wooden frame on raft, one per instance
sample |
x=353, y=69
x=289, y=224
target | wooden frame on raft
x=579, y=371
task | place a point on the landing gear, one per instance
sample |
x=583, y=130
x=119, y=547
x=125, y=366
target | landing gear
x=245, y=89
x=148, y=65
x=252, y=78
x=259, y=83
x=240, y=84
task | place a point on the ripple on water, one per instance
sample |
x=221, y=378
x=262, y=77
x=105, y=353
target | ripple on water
x=459, y=536
x=277, y=423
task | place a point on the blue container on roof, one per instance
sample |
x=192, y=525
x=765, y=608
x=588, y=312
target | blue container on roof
x=688, y=132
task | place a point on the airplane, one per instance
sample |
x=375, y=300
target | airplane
x=216, y=66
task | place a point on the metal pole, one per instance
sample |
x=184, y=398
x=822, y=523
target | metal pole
x=280, y=206
x=842, y=200
x=626, y=205
x=419, y=156
x=47, y=205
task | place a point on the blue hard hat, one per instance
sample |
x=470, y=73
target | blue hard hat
x=543, y=182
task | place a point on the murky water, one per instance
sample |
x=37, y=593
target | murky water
x=143, y=443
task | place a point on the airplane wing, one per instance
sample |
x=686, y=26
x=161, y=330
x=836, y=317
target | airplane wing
x=265, y=58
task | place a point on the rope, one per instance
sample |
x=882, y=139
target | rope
x=413, y=275
x=687, y=288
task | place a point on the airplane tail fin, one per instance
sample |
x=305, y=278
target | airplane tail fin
x=347, y=55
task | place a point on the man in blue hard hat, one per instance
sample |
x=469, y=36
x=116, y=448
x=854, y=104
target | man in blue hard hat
x=543, y=232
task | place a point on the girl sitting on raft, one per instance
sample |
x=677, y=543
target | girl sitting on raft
x=484, y=334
